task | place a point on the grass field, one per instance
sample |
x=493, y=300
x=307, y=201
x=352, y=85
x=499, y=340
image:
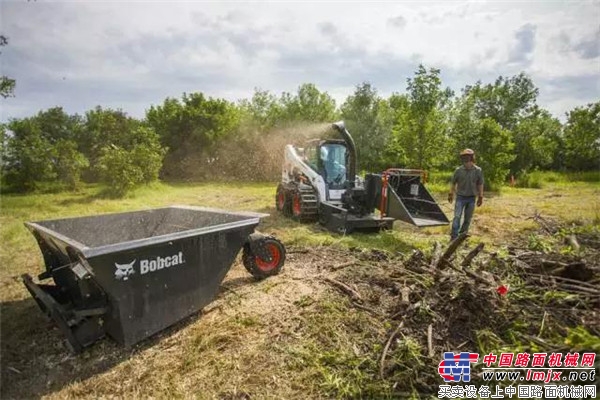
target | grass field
x=289, y=336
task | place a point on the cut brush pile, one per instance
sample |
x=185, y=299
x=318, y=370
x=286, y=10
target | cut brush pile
x=514, y=300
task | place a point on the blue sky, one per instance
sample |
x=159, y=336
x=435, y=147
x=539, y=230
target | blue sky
x=130, y=55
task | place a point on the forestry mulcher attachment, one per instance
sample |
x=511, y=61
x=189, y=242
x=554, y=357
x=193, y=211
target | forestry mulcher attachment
x=319, y=182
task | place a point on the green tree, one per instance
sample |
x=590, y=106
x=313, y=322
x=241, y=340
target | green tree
x=7, y=85
x=506, y=101
x=122, y=168
x=510, y=103
x=422, y=130
x=191, y=129
x=103, y=127
x=395, y=152
x=3, y=146
x=43, y=148
x=27, y=156
x=368, y=119
x=147, y=153
x=261, y=111
x=69, y=163
x=537, y=139
x=582, y=138
x=494, y=151
x=118, y=170
x=308, y=105
x=493, y=145
x=62, y=132
x=56, y=125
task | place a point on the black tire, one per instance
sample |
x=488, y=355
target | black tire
x=260, y=268
x=280, y=198
x=283, y=201
x=296, y=200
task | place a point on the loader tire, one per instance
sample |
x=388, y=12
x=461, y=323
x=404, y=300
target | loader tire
x=304, y=204
x=260, y=268
x=283, y=201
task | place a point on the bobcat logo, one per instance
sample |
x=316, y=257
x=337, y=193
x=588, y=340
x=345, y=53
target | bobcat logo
x=124, y=270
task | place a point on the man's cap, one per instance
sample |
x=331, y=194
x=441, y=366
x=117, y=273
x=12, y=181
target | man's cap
x=467, y=152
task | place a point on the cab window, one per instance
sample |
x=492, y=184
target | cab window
x=333, y=161
x=311, y=157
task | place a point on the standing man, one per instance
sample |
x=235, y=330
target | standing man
x=467, y=183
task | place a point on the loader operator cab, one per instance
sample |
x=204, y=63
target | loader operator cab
x=328, y=158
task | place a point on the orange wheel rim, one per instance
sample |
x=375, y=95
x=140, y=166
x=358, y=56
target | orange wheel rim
x=275, y=258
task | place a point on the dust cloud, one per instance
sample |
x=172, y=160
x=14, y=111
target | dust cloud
x=258, y=156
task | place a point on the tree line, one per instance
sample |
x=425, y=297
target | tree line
x=196, y=137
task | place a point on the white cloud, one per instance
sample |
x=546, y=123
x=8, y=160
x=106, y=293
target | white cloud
x=130, y=55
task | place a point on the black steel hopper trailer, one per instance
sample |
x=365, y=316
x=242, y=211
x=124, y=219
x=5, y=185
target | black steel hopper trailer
x=130, y=275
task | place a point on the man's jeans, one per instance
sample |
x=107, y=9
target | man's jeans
x=464, y=204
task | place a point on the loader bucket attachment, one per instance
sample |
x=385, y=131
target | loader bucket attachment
x=408, y=200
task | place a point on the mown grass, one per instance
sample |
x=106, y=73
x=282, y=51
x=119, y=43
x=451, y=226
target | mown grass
x=497, y=221
x=315, y=346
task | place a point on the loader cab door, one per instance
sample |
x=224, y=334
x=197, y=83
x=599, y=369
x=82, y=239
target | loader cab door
x=332, y=165
x=311, y=156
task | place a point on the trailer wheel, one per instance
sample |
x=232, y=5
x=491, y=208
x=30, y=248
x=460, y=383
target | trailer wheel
x=259, y=267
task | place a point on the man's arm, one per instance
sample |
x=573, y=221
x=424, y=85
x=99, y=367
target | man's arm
x=453, y=185
x=480, y=191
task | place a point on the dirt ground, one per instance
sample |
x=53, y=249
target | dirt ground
x=336, y=322
x=37, y=364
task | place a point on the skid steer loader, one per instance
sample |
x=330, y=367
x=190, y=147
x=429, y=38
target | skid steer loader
x=319, y=182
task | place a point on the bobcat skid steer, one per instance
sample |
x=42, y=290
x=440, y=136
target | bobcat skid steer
x=319, y=182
